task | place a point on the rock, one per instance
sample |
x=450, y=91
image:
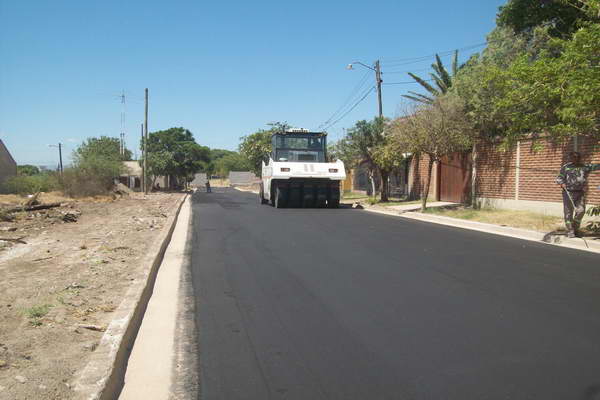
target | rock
x=20, y=379
x=2, y=388
x=3, y=364
x=70, y=217
x=90, y=346
x=43, y=387
x=8, y=228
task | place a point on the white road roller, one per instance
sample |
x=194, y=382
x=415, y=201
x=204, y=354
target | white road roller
x=297, y=173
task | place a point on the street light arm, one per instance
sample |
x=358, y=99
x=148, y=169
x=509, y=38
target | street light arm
x=359, y=63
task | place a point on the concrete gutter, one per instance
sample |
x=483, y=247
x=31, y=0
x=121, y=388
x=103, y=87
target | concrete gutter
x=548, y=238
x=103, y=376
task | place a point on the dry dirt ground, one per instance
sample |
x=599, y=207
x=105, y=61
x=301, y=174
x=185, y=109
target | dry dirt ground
x=59, y=290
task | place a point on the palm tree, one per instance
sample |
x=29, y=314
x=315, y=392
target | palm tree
x=443, y=81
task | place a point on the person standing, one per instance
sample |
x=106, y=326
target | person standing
x=208, y=190
x=572, y=179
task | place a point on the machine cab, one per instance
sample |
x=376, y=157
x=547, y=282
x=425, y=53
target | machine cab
x=299, y=146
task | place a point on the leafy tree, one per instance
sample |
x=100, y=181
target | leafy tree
x=388, y=157
x=441, y=77
x=561, y=16
x=174, y=152
x=367, y=143
x=231, y=162
x=96, y=163
x=256, y=147
x=556, y=94
x=485, y=79
x=104, y=147
x=436, y=130
x=27, y=170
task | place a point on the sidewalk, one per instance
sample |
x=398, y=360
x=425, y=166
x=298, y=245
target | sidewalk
x=415, y=207
x=591, y=244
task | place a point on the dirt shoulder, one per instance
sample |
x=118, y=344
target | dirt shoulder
x=59, y=290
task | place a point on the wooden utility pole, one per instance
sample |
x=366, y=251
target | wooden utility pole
x=378, y=80
x=60, y=158
x=146, y=142
x=143, y=142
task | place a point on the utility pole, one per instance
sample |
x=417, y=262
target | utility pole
x=60, y=158
x=146, y=140
x=377, y=69
x=122, y=150
x=378, y=80
x=60, y=165
x=144, y=158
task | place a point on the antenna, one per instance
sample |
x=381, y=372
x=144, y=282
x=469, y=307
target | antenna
x=122, y=135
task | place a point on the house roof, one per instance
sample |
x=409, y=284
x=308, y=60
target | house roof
x=133, y=167
x=3, y=147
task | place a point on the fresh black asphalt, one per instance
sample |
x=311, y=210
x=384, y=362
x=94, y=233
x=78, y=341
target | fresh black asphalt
x=346, y=304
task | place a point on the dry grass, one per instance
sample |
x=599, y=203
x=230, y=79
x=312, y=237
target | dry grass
x=219, y=182
x=51, y=197
x=516, y=219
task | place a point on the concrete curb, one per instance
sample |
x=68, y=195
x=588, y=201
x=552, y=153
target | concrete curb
x=552, y=239
x=102, y=378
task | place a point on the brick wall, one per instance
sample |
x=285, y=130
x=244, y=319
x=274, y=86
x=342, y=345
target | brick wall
x=527, y=171
x=418, y=177
x=495, y=171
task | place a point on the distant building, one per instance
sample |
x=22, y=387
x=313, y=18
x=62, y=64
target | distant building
x=132, y=177
x=8, y=165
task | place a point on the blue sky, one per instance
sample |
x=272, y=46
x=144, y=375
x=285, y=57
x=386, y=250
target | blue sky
x=221, y=69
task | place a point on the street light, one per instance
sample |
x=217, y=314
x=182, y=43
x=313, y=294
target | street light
x=59, y=155
x=377, y=70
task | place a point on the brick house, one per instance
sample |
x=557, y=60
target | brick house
x=8, y=165
x=518, y=178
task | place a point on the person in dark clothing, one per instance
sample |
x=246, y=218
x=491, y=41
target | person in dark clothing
x=572, y=179
x=208, y=190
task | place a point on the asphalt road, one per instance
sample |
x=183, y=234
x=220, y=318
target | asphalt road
x=345, y=304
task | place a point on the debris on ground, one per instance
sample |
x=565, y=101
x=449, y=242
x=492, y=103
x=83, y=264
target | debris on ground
x=59, y=291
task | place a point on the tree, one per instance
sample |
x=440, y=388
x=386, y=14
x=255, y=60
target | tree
x=174, y=152
x=96, y=164
x=27, y=170
x=561, y=16
x=443, y=81
x=560, y=94
x=388, y=157
x=435, y=130
x=367, y=143
x=256, y=147
x=231, y=162
x=105, y=147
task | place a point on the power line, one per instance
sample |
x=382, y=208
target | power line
x=351, y=108
x=407, y=82
x=350, y=97
x=412, y=60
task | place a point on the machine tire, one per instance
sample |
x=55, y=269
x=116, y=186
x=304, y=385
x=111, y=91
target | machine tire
x=278, y=200
x=261, y=195
x=333, y=200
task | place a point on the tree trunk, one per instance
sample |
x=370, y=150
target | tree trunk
x=425, y=193
x=385, y=185
x=372, y=179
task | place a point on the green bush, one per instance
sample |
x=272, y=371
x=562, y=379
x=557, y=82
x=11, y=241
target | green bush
x=91, y=176
x=29, y=184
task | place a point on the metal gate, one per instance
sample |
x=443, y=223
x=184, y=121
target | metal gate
x=455, y=178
